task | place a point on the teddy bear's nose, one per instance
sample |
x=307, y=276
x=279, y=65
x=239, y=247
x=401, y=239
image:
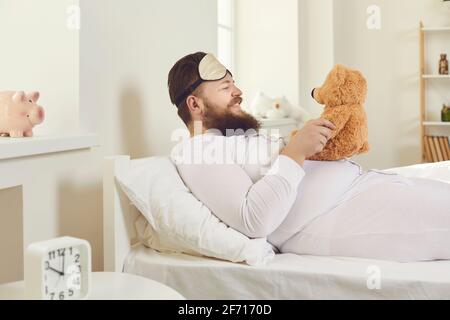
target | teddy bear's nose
x=277, y=106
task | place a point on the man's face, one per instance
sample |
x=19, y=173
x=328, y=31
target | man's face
x=222, y=107
x=224, y=94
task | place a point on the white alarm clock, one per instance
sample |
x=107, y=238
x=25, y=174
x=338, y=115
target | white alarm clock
x=58, y=269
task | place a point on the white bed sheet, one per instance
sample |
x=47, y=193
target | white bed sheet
x=291, y=276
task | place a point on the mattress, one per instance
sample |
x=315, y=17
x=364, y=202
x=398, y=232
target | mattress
x=290, y=276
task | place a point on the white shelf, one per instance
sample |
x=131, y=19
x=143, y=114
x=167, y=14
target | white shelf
x=436, y=123
x=29, y=146
x=435, y=76
x=433, y=29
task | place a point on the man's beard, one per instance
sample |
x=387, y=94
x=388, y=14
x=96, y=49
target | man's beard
x=228, y=122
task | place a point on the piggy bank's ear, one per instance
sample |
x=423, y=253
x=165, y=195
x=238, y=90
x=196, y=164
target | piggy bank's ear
x=18, y=96
x=34, y=96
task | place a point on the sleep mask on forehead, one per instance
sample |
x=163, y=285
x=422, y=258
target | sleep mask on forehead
x=209, y=69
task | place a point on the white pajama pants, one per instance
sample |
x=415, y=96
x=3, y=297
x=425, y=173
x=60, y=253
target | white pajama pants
x=387, y=217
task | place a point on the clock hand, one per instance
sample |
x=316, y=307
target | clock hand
x=58, y=272
x=64, y=259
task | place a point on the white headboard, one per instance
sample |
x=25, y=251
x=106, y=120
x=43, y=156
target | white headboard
x=118, y=215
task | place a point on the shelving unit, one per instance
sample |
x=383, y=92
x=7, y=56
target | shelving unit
x=433, y=148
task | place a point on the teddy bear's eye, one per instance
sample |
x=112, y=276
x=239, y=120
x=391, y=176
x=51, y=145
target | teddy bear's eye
x=30, y=101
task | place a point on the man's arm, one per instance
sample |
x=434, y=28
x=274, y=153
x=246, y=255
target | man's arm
x=254, y=209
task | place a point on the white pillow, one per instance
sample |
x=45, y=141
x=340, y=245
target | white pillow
x=179, y=222
x=436, y=171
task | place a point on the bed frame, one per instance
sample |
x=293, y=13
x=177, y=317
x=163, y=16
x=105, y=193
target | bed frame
x=118, y=215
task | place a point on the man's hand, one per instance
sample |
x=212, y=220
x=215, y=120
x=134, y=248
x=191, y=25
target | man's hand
x=309, y=140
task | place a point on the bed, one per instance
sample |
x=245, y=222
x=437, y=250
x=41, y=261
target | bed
x=288, y=276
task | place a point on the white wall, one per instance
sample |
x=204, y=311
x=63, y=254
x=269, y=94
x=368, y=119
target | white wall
x=267, y=45
x=125, y=53
x=284, y=48
x=389, y=58
x=316, y=54
x=40, y=53
x=127, y=50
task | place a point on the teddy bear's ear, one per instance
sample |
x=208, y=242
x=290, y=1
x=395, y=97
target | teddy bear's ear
x=362, y=86
x=340, y=72
x=355, y=90
x=361, y=77
x=339, y=67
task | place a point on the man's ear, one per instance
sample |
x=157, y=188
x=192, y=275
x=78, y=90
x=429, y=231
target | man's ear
x=193, y=104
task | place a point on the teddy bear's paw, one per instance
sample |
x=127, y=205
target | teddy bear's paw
x=314, y=158
x=365, y=148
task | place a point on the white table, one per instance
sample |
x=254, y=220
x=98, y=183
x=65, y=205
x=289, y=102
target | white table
x=108, y=286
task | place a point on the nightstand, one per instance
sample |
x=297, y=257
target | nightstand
x=108, y=286
x=279, y=127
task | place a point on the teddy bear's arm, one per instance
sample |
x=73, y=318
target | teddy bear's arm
x=339, y=116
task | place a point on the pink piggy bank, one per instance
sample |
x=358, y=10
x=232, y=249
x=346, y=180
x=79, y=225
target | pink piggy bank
x=19, y=113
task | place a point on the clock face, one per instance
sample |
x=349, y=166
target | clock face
x=63, y=273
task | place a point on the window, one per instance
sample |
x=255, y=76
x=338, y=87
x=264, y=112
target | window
x=225, y=36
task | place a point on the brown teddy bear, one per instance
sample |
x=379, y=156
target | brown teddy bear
x=343, y=94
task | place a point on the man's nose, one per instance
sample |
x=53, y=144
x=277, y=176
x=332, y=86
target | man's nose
x=236, y=92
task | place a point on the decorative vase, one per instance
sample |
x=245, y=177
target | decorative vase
x=443, y=65
x=445, y=114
